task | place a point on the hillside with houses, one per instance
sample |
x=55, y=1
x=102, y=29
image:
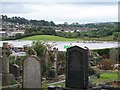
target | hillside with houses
x=19, y=27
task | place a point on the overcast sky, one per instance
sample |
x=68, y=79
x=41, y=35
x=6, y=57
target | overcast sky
x=61, y=11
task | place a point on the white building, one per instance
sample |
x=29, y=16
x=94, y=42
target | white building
x=13, y=33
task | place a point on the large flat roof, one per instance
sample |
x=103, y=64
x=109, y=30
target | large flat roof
x=61, y=45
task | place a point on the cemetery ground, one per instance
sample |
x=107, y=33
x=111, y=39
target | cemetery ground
x=76, y=60
x=104, y=78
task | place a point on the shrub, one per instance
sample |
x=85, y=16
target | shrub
x=106, y=64
x=91, y=71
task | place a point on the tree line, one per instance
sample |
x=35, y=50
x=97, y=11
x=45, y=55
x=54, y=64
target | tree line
x=22, y=20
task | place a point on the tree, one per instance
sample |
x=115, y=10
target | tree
x=48, y=31
x=52, y=23
x=116, y=35
x=40, y=48
x=65, y=24
x=18, y=35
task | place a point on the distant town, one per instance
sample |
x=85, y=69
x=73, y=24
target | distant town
x=17, y=27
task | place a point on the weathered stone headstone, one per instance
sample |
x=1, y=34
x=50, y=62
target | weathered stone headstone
x=6, y=51
x=114, y=55
x=0, y=72
x=32, y=73
x=55, y=53
x=46, y=58
x=53, y=72
x=77, y=68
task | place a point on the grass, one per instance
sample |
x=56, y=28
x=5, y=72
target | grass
x=46, y=84
x=107, y=38
x=57, y=38
x=109, y=76
x=48, y=38
x=105, y=77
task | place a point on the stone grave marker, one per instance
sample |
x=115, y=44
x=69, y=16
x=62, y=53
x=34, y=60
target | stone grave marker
x=55, y=53
x=6, y=51
x=32, y=73
x=46, y=58
x=53, y=72
x=77, y=68
x=15, y=70
x=114, y=55
x=0, y=64
x=0, y=72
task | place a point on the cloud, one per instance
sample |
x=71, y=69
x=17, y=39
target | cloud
x=60, y=0
x=61, y=12
x=14, y=8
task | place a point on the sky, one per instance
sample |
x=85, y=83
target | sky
x=81, y=11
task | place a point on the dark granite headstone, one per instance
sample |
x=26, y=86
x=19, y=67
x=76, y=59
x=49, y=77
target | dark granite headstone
x=52, y=73
x=15, y=70
x=77, y=68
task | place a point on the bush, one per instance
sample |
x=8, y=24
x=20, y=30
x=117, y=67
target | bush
x=106, y=64
x=91, y=71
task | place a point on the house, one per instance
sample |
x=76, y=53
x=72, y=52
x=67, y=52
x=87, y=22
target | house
x=13, y=33
x=3, y=33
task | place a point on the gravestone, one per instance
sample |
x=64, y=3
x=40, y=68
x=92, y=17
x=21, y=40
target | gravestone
x=0, y=72
x=55, y=53
x=53, y=72
x=6, y=51
x=77, y=68
x=0, y=64
x=46, y=58
x=32, y=73
x=15, y=70
x=114, y=55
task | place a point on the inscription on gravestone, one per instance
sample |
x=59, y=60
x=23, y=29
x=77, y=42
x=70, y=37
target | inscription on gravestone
x=77, y=68
x=32, y=73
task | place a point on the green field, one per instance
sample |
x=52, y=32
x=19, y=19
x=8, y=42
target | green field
x=57, y=38
x=48, y=38
x=107, y=38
